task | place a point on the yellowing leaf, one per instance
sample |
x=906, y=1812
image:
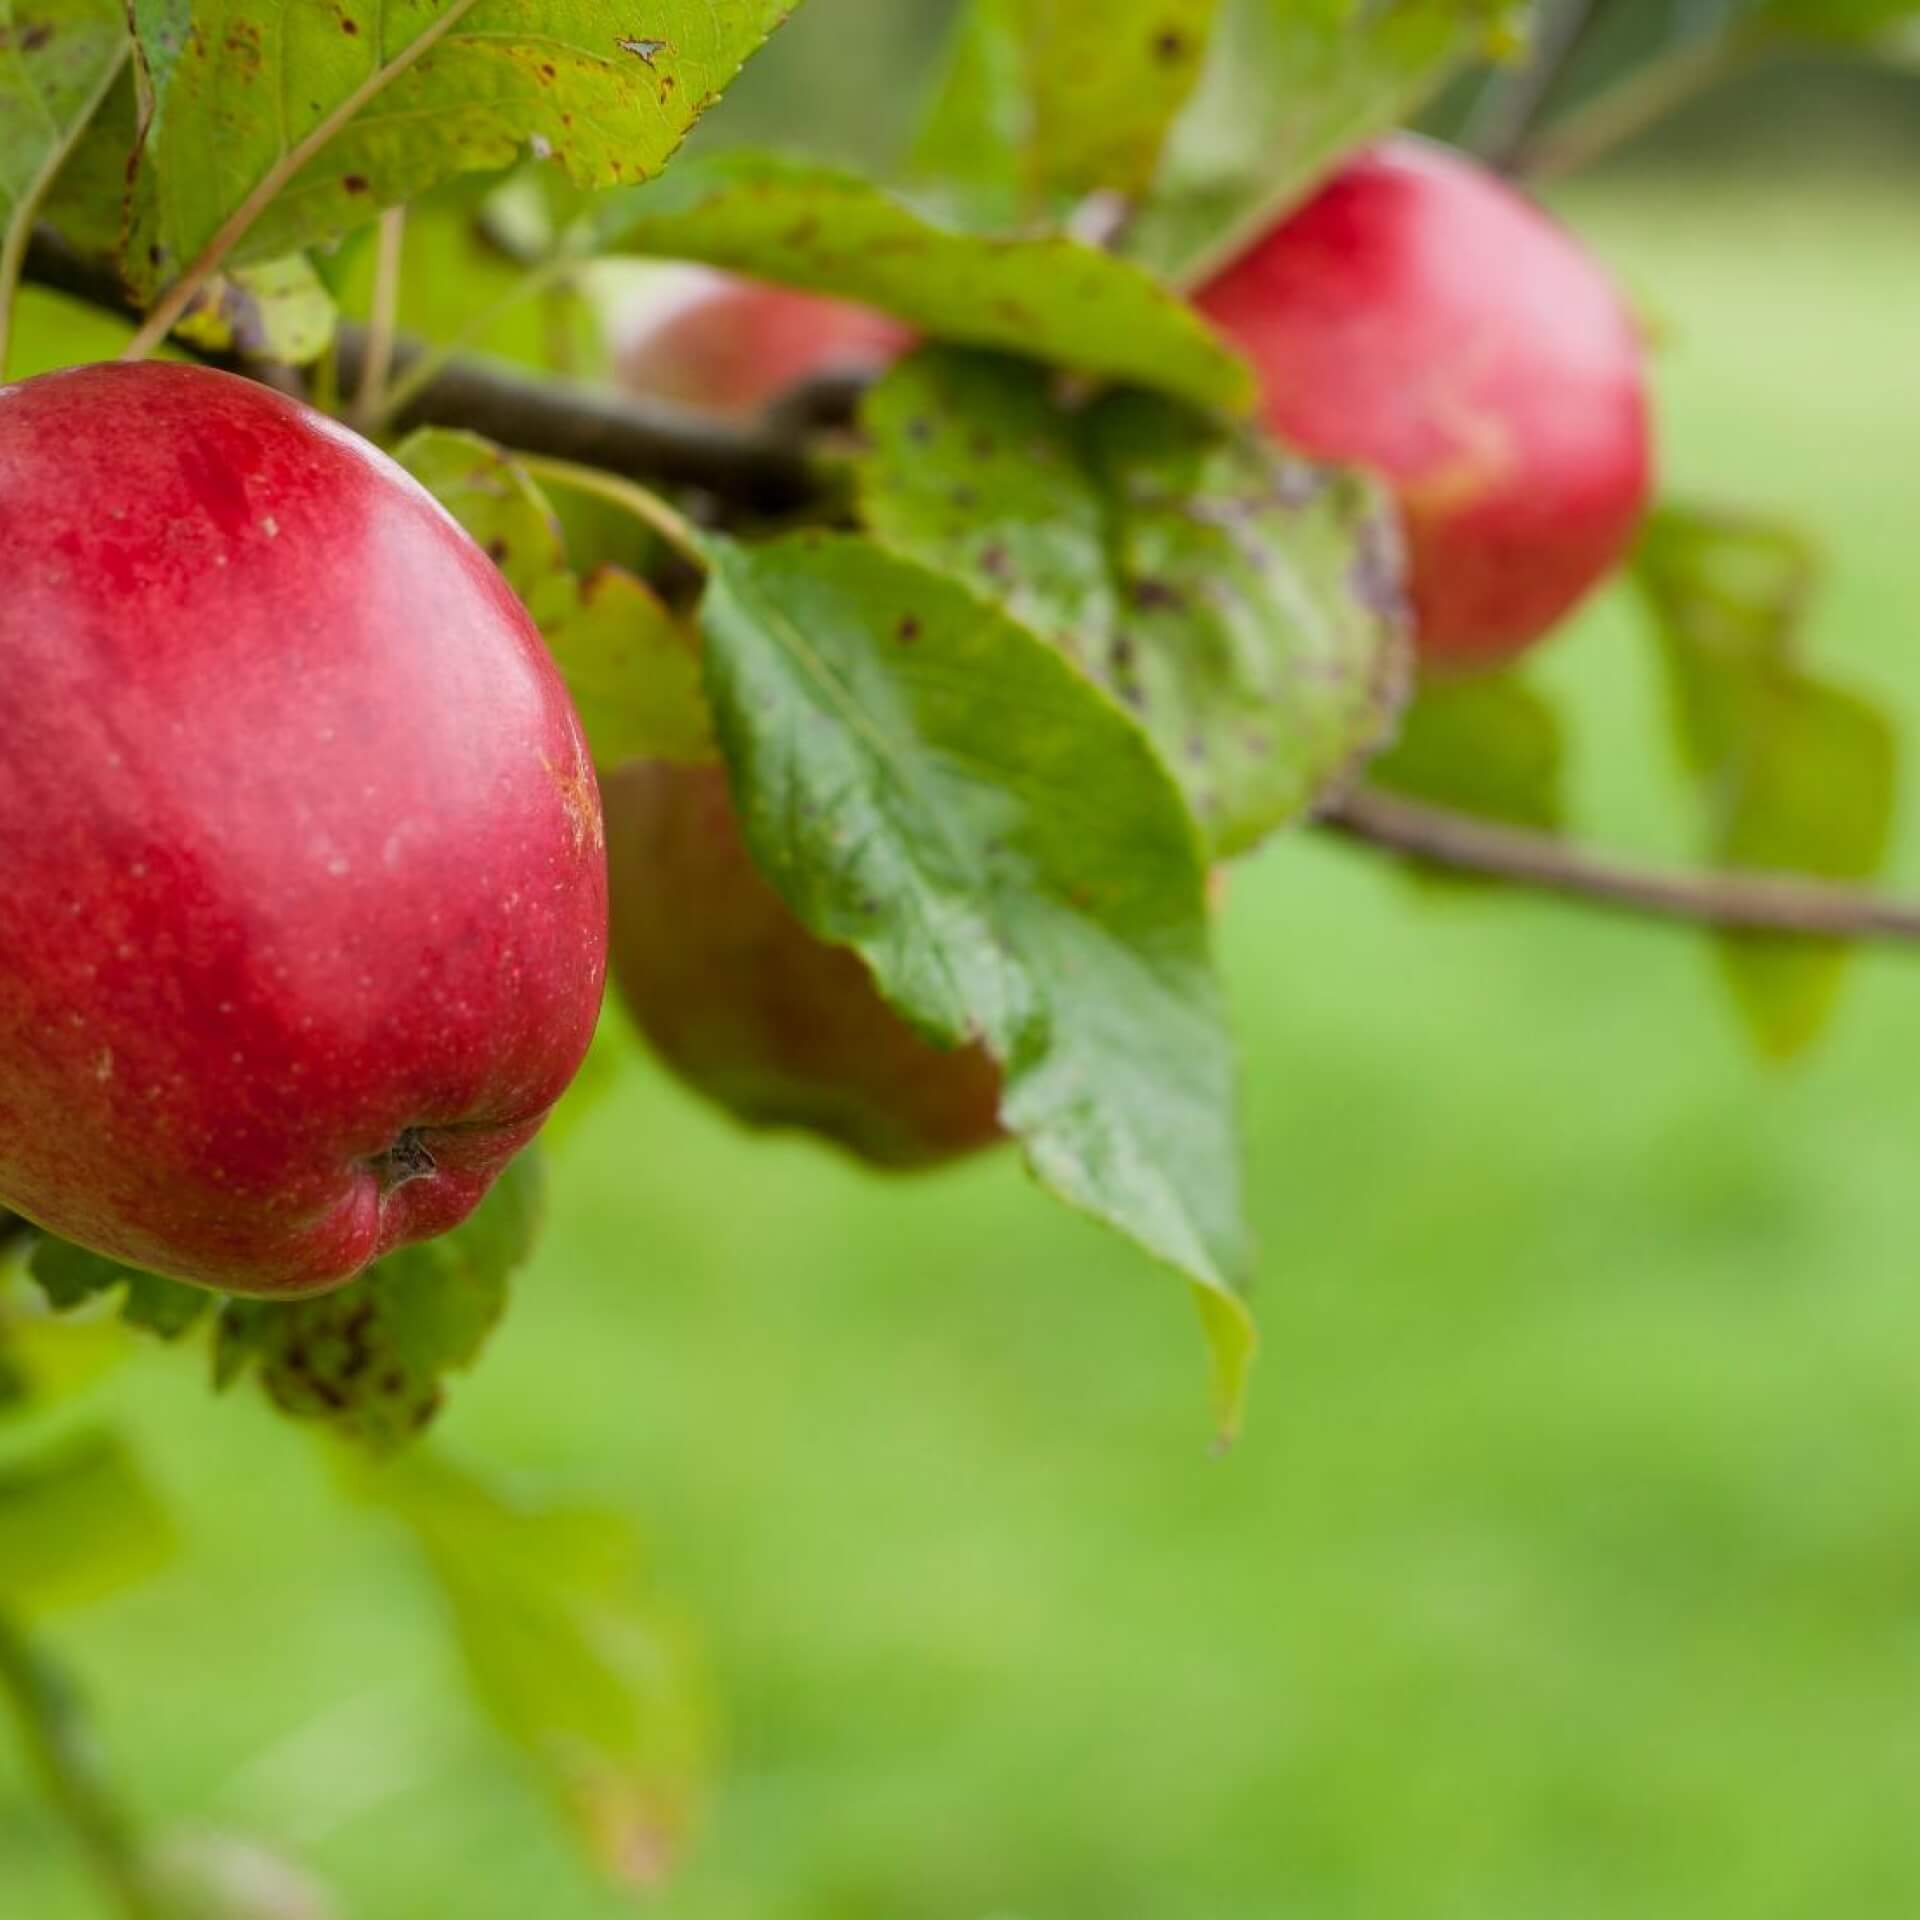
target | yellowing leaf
x=302, y=121
x=572, y=1656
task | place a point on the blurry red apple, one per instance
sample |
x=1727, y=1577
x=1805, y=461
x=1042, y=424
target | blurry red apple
x=753, y=1011
x=1419, y=317
x=302, y=886
x=734, y=346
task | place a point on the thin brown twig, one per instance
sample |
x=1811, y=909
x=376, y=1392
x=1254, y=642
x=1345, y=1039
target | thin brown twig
x=753, y=470
x=1744, y=902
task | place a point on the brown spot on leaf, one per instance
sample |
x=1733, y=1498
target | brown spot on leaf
x=33, y=38
x=354, y=183
x=1149, y=595
x=908, y=630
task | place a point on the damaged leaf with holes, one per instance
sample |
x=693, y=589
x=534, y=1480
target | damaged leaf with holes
x=1245, y=605
x=302, y=121
x=369, y=1361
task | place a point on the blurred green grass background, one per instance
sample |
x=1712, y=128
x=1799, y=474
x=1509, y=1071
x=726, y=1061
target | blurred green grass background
x=1571, y=1563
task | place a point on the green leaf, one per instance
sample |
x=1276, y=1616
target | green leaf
x=48, y=1358
x=1488, y=744
x=633, y=668
x=369, y=1360
x=926, y=782
x=812, y=227
x=1834, y=22
x=459, y=282
x=16, y=1382
x=494, y=499
x=87, y=204
x=1045, y=100
x=1290, y=88
x=1243, y=603
x=58, y=58
x=1795, y=774
x=1816, y=795
x=279, y=310
x=318, y=116
x=70, y=1276
x=77, y=1521
x=572, y=1656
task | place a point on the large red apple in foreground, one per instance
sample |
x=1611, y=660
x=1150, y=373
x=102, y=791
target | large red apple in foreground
x=753, y=1011
x=733, y=346
x=302, y=885
x=1419, y=317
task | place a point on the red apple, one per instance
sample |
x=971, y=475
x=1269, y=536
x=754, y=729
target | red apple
x=734, y=346
x=1419, y=317
x=302, y=884
x=753, y=1011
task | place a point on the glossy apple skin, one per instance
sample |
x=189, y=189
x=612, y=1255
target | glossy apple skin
x=303, y=916
x=1419, y=317
x=734, y=346
x=750, y=1009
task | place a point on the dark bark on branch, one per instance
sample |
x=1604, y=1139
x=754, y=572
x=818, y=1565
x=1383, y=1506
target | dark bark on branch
x=752, y=471
x=768, y=470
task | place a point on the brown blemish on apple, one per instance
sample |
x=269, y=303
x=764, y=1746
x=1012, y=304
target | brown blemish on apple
x=580, y=797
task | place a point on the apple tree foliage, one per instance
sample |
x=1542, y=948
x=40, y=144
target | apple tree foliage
x=1061, y=632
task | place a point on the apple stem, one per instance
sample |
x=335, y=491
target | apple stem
x=647, y=507
x=62, y=1751
x=383, y=313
